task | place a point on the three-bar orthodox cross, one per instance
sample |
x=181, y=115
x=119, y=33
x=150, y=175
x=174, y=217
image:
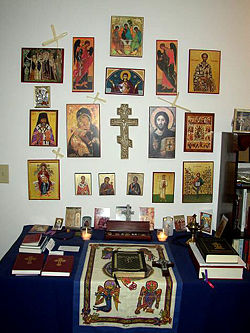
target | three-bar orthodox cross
x=128, y=212
x=124, y=122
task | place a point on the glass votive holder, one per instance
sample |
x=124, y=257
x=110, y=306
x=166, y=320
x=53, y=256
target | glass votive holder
x=86, y=233
x=161, y=235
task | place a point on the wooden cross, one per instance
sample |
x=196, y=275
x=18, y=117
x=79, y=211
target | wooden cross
x=97, y=98
x=55, y=37
x=59, y=261
x=128, y=212
x=29, y=260
x=174, y=103
x=57, y=153
x=124, y=122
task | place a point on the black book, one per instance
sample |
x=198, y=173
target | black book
x=128, y=264
x=216, y=250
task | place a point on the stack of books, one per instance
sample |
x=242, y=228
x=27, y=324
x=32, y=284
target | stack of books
x=34, y=243
x=216, y=259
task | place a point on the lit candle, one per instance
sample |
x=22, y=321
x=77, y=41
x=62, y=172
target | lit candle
x=162, y=236
x=86, y=235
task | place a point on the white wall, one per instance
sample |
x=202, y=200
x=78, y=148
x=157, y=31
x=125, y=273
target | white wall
x=217, y=25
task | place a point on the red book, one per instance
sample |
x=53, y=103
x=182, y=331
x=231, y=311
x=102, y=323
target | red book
x=28, y=264
x=58, y=265
x=32, y=239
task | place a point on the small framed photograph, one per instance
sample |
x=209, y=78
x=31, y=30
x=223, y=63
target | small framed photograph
x=102, y=215
x=43, y=65
x=241, y=122
x=83, y=184
x=86, y=222
x=190, y=219
x=147, y=214
x=73, y=218
x=166, y=67
x=135, y=183
x=199, y=132
x=120, y=213
x=43, y=128
x=126, y=36
x=163, y=187
x=124, y=81
x=206, y=222
x=197, y=184
x=42, y=97
x=83, y=130
x=83, y=64
x=179, y=223
x=106, y=183
x=44, y=179
x=162, y=132
x=204, y=71
x=58, y=224
x=221, y=226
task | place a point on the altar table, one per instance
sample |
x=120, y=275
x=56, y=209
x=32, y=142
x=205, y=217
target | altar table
x=45, y=304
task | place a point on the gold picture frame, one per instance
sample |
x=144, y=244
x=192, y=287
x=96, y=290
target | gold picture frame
x=83, y=184
x=204, y=71
x=44, y=179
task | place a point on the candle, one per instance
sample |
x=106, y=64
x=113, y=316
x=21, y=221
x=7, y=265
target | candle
x=162, y=236
x=86, y=235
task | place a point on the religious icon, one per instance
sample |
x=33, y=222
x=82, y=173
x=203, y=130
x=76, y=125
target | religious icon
x=221, y=226
x=199, y=132
x=197, y=182
x=42, y=97
x=124, y=81
x=102, y=215
x=106, y=183
x=162, y=132
x=43, y=180
x=241, y=122
x=179, y=223
x=135, y=184
x=73, y=218
x=43, y=128
x=147, y=214
x=206, y=222
x=83, y=184
x=163, y=187
x=124, y=122
x=204, y=71
x=166, y=67
x=83, y=64
x=83, y=130
x=58, y=224
x=42, y=65
x=119, y=213
x=126, y=36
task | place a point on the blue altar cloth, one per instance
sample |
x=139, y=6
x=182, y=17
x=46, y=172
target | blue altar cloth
x=45, y=304
x=105, y=329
